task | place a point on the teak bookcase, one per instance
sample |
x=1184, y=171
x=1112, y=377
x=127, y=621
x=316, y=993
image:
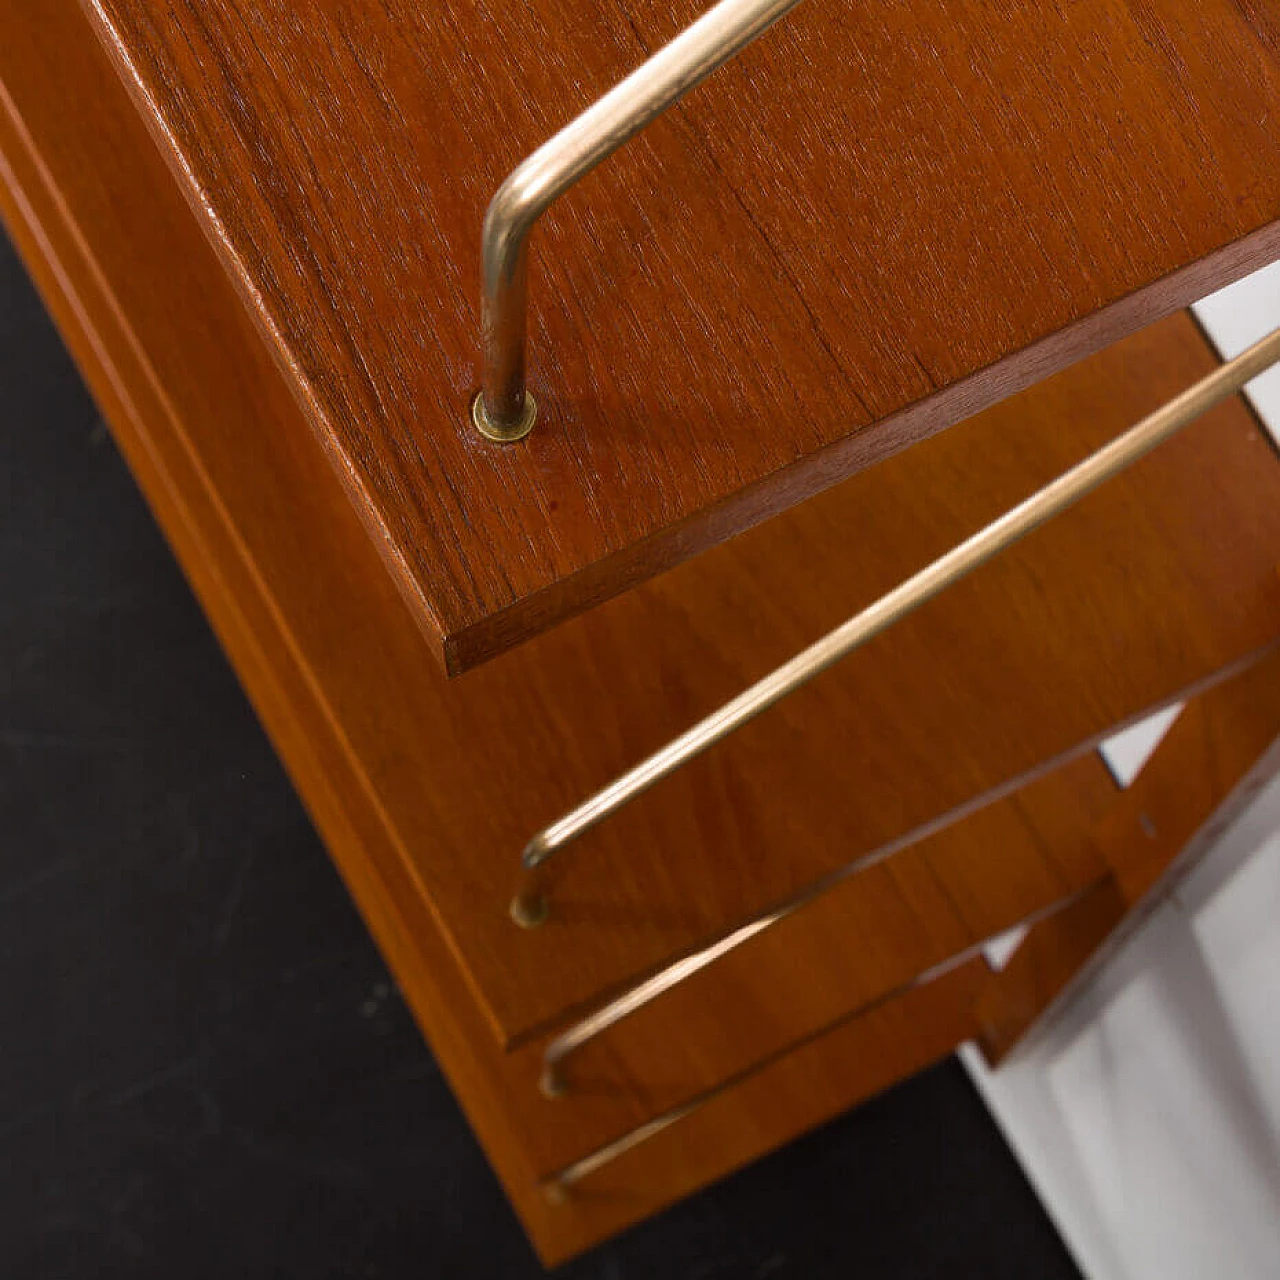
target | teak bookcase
x=887, y=273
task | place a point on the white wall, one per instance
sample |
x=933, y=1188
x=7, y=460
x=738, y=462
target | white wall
x=1148, y=1118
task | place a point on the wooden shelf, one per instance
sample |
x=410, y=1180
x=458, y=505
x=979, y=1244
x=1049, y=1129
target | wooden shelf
x=877, y=221
x=1221, y=750
x=1041, y=652
x=818, y=1081
x=863, y=942
x=956, y=741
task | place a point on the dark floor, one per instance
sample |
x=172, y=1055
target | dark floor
x=205, y=1069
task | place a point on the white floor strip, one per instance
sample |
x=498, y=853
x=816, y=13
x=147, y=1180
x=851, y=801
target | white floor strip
x=1149, y=1119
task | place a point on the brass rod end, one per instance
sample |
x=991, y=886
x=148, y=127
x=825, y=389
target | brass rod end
x=551, y=1084
x=529, y=910
x=504, y=432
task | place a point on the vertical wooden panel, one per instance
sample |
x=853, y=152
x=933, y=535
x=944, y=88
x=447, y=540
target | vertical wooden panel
x=1223, y=747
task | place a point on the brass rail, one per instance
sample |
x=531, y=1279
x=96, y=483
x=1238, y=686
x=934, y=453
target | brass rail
x=504, y=410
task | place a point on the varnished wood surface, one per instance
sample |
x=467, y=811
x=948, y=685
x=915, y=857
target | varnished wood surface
x=1223, y=747
x=1044, y=651
x=1048, y=958
x=126, y=385
x=869, y=937
x=865, y=1054
x=881, y=218
x=1036, y=655
x=807, y=1087
x=114, y=256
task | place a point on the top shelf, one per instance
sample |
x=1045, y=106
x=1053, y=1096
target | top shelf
x=878, y=220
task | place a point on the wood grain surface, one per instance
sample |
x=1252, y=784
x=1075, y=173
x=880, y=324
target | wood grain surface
x=880, y=219
x=862, y=942
x=1222, y=749
x=1055, y=950
x=862, y=1055
x=787, y=1097
x=1032, y=658
x=335, y=663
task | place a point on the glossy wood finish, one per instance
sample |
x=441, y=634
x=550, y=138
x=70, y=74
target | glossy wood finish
x=1044, y=651
x=878, y=220
x=866, y=939
x=408, y=778
x=861, y=1054
x=1224, y=746
x=789, y=1096
x=1045, y=963
x=1031, y=658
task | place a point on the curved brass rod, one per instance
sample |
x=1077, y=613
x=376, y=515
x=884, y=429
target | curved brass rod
x=558, y=1185
x=552, y=1082
x=961, y=560
x=503, y=410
